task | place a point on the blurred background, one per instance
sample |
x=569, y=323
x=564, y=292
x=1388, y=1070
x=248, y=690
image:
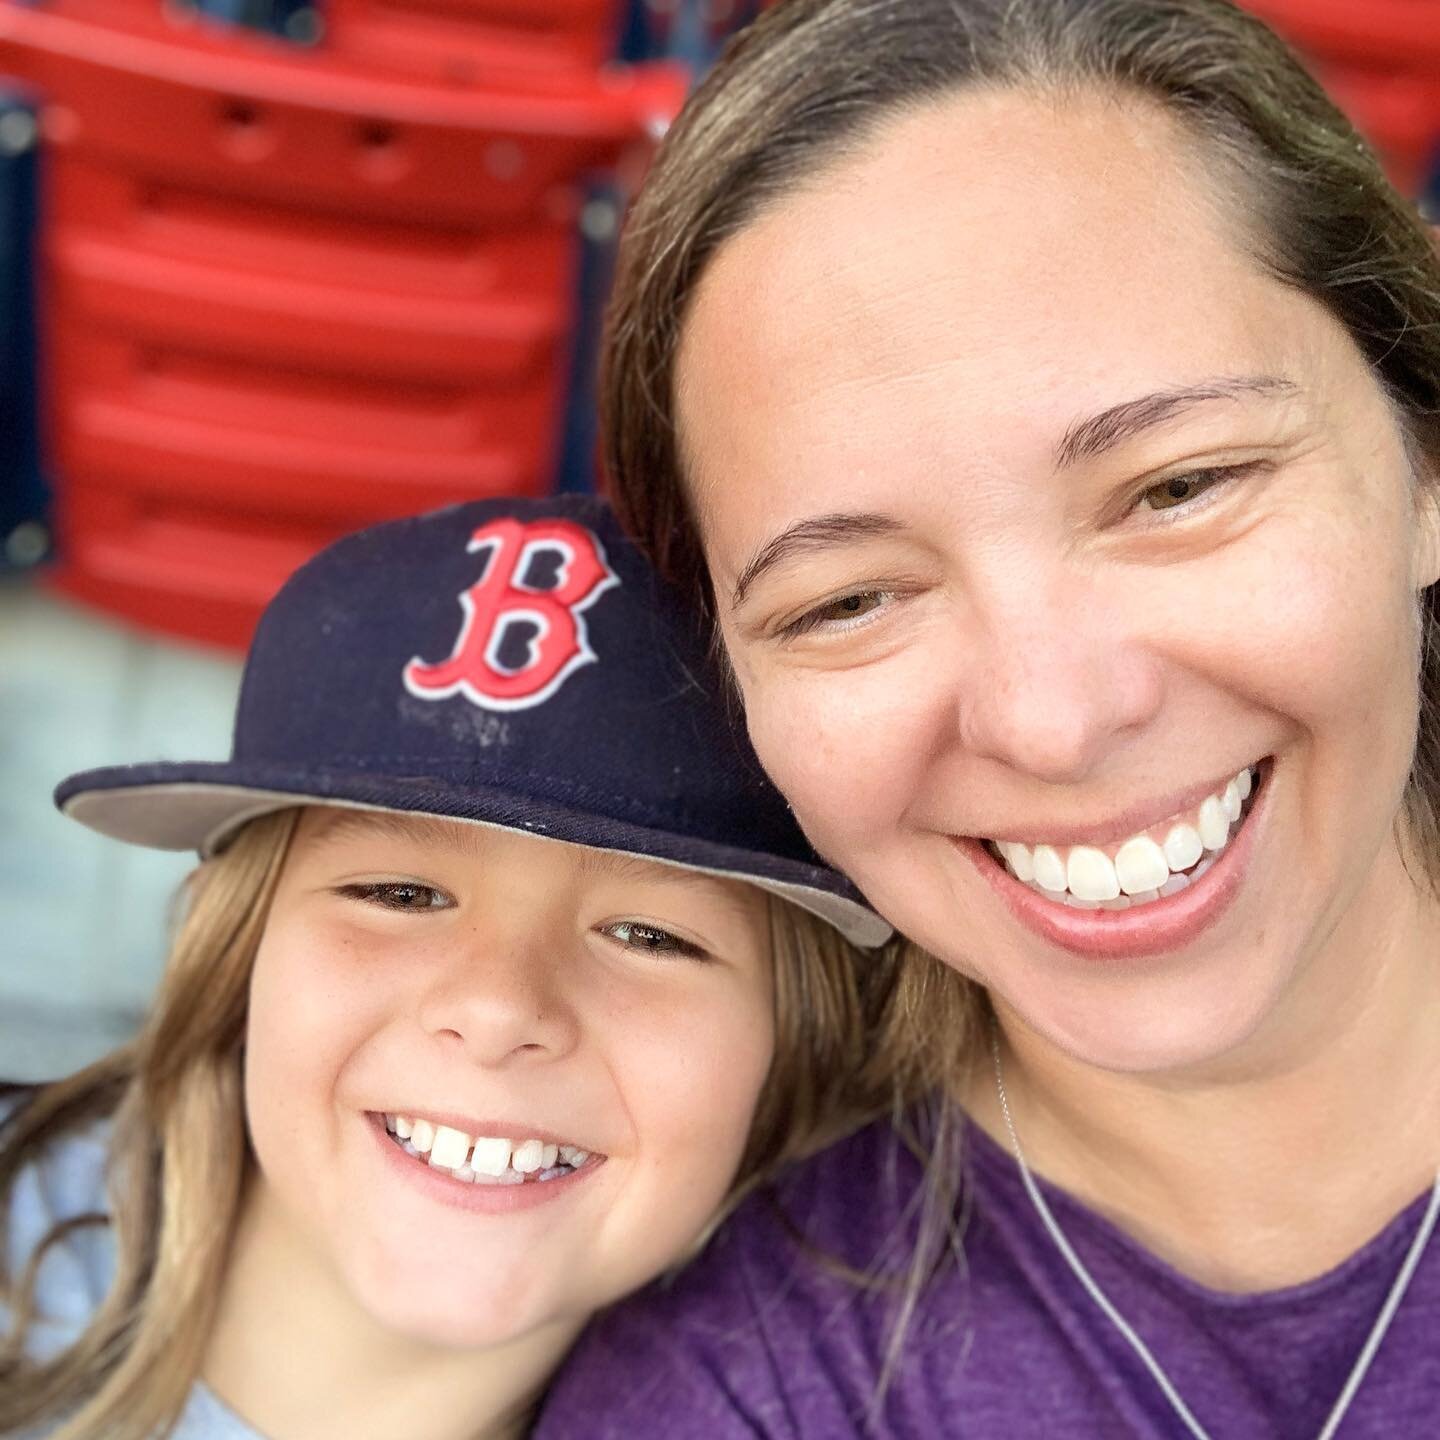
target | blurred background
x=271, y=270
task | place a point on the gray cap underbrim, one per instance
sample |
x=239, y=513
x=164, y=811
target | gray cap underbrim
x=184, y=813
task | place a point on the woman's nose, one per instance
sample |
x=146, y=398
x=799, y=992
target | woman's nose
x=1060, y=678
x=501, y=1003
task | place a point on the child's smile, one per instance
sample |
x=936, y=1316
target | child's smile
x=478, y=1159
x=483, y=1172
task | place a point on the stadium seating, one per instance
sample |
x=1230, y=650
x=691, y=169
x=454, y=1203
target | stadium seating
x=288, y=291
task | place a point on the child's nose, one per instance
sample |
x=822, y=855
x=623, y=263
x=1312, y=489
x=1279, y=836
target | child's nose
x=504, y=1005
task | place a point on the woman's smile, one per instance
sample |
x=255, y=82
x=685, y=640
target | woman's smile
x=1149, y=894
x=1150, y=860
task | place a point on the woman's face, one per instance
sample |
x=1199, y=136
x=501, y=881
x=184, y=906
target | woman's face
x=1037, y=514
x=521, y=993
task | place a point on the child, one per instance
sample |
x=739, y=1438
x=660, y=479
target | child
x=504, y=973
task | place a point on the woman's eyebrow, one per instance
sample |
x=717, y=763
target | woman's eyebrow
x=1084, y=440
x=1093, y=436
x=817, y=533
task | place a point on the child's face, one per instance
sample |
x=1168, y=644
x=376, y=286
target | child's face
x=513, y=989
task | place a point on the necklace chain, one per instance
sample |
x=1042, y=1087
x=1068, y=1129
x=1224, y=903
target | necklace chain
x=1103, y=1302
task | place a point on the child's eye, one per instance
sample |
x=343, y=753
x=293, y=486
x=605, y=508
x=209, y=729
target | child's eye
x=652, y=940
x=402, y=895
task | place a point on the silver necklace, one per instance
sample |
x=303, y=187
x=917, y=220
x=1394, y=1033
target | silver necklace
x=1087, y=1281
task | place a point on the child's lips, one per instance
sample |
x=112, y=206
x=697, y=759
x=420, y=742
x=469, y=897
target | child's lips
x=493, y=1197
x=481, y=1158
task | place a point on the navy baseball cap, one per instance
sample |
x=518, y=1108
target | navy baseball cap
x=513, y=663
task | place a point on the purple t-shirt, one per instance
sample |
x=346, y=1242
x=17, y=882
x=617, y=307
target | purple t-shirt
x=757, y=1338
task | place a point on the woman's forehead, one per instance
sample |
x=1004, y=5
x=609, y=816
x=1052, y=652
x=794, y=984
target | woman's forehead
x=995, y=204
x=986, y=275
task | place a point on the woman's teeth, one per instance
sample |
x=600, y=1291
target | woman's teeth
x=483, y=1159
x=1146, y=867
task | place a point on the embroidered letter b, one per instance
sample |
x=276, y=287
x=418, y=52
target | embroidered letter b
x=519, y=642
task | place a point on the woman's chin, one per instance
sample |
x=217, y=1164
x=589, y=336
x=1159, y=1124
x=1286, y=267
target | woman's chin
x=1150, y=1030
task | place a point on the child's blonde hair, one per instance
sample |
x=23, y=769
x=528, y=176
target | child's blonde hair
x=843, y=1020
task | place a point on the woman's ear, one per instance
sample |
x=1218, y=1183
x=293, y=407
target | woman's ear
x=1424, y=477
x=1426, y=549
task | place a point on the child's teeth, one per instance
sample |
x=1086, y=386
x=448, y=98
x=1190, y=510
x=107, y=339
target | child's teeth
x=450, y=1147
x=1183, y=847
x=1140, y=865
x=483, y=1159
x=491, y=1157
x=528, y=1156
x=1090, y=874
x=1143, y=869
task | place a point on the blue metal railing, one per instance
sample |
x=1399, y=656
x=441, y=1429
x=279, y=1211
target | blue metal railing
x=24, y=496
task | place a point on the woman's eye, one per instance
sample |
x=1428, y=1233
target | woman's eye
x=836, y=612
x=399, y=895
x=1182, y=489
x=652, y=940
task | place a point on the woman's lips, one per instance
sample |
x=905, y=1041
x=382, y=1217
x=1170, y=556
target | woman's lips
x=1156, y=928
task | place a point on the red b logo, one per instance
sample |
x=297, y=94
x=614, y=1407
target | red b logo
x=502, y=600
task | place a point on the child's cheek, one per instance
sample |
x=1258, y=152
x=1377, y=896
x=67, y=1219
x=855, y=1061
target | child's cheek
x=308, y=1016
x=701, y=1079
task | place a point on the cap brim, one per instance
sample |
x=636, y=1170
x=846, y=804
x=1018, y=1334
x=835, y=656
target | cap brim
x=198, y=807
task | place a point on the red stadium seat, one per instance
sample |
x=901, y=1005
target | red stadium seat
x=1372, y=33
x=1381, y=62
x=464, y=41
x=1398, y=112
x=286, y=296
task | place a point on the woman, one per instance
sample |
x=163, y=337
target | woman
x=1043, y=396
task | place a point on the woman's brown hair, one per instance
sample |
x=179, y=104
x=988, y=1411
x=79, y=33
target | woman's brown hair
x=811, y=80
x=854, y=1037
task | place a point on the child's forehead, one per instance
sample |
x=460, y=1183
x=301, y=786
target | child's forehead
x=332, y=825
x=340, y=824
